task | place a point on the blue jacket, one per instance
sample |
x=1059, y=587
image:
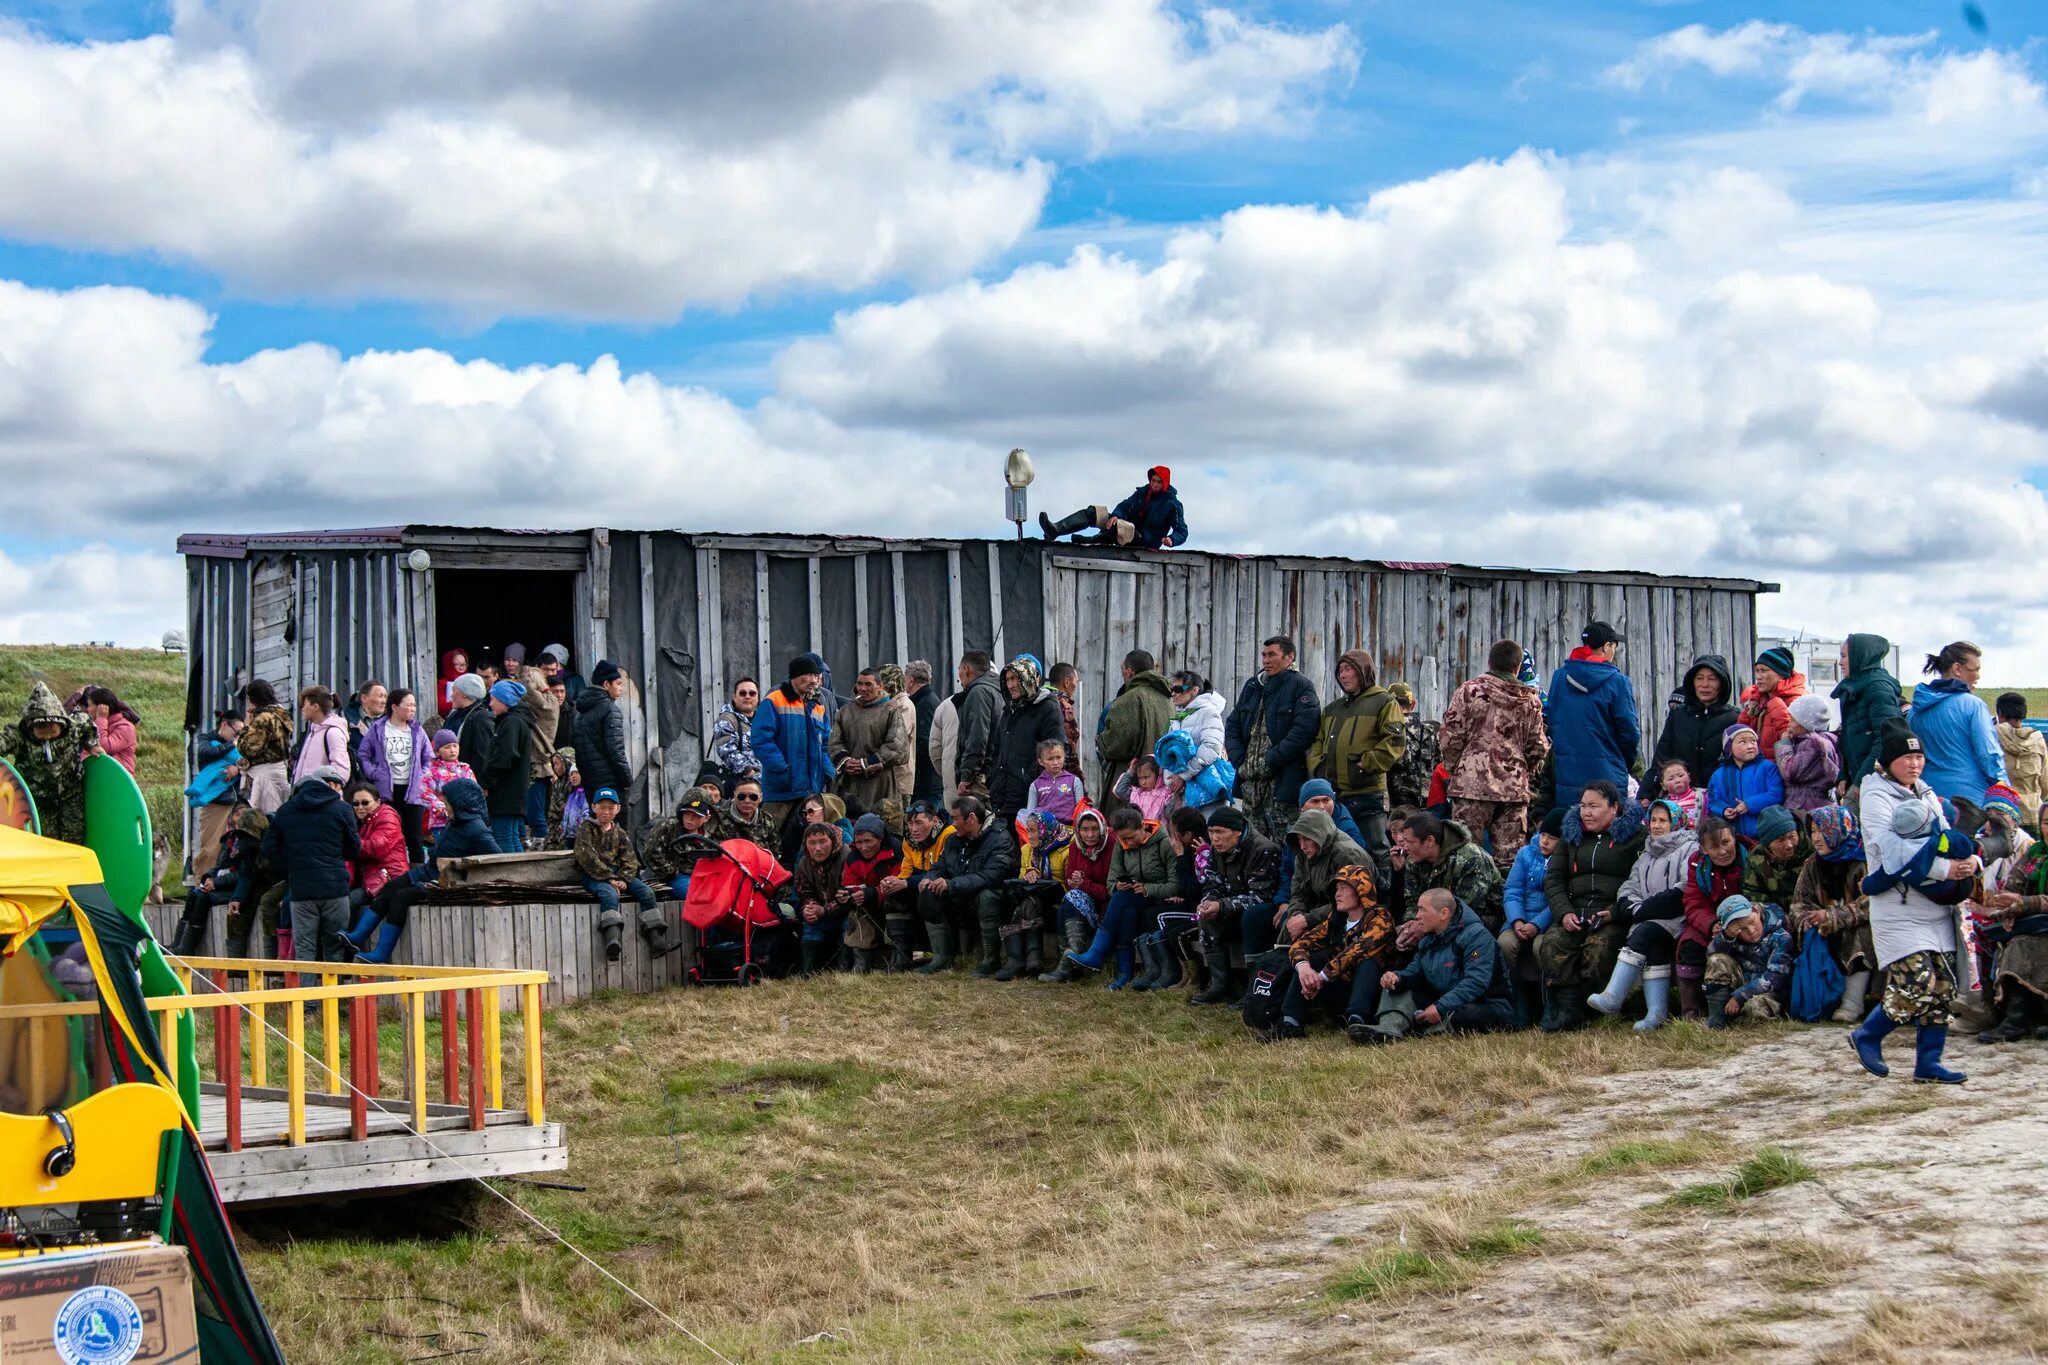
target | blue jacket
x=313, y=838
x=1524, y=896
x=1156, y=515
x=467, y=833
x=790, y=735
x=1594, y=734
x=1461, y=966
x=1345, y=825
x=1954, y=725
x=1758, y=785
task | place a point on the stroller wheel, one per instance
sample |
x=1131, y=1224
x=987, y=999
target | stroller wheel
x=749, y=975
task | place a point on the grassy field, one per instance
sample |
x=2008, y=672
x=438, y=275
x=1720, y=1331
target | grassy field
x=926, y=1170
x=147, y=679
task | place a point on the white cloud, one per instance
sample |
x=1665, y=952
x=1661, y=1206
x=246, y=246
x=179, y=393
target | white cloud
x=621, y=160
x=95, y=593
x=1728, y=52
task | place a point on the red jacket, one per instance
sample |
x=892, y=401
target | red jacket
x=1771, y=716
x=867, y=873
x=1704, y=894
x=384, y=856
x=1092, y=873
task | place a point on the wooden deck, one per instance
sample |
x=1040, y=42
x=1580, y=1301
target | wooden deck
x=268, y=1169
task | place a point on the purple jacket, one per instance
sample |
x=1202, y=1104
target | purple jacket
x=376, y=761
x=1809, y=764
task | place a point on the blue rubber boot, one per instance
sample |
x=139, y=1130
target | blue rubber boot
x=1628, y=969
x=1126, y=963
x=1868, y=1040
x=387, y=940
x=361, y=933
x=1927, y=1067
x=1657, y=995
x=1098, y=950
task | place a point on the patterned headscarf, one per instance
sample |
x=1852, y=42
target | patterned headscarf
x=1679, y=819
x=1837, y=825
x=1026, y=669
x=1527, y=674
x=891, y=678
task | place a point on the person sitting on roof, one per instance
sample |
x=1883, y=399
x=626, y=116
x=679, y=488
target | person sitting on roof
x=1150, y=517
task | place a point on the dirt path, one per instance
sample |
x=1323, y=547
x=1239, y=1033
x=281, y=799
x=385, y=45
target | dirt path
x=1922, y=1234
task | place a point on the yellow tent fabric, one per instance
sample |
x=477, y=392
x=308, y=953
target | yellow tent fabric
x=34, y=873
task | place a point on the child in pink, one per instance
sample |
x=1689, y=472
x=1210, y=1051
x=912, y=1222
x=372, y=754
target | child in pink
x=1144, y=786
x=445, y=768
x=1055, y=791
x=1679, y=790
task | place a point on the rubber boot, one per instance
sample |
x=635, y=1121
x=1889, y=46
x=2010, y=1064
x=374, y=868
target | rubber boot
x=1013, y=957
x=1034, y=952
x=1074, y=936
x=1066, y=525
x=1657, y=995
x=1097, y=954
x=1628, y=970
x=813, y=957
x=991, y=948
x=1168, y=953
x=1868, y=1040
x=659, y=941
x=1692, y=997
x=900, y=939
x=614, y=941
x=1927, y=1068
x=191, y=935
x=387, y=942
x=1569, y=1012
x=1126, y=961
x=2013, y=1024
x=863, y=961
x=1217, y=992
x=359, y=936
x=1149, y=965
x=942, y=949
x=1855, y=990
x=1717, y=1006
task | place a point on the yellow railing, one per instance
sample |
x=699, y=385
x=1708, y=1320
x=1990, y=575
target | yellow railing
x=350, y=999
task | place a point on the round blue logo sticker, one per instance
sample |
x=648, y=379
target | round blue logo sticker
x=98, y=1326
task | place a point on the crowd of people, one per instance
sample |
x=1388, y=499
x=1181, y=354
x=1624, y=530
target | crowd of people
x=1312, y=853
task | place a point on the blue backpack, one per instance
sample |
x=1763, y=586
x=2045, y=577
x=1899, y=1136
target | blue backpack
x=1817, y=983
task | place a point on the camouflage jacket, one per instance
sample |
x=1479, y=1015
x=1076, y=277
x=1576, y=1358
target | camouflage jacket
x=268, y=737
x=602, y=854
x=668, y=857
x=1465, y=871
x=1408, y=779
x=1492, y=739
x=53, y=770
x=730, y=824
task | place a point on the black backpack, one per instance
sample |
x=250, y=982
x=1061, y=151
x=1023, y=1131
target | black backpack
x=1269, y=986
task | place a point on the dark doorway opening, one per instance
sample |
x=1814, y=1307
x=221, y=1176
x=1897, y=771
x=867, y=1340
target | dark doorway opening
x=480, y=611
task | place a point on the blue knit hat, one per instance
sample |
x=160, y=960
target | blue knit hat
x=507, y=692
x=1314, y=788
x=1774, y=823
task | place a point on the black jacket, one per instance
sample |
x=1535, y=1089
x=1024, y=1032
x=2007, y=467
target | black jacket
x=313, y=838
x=1293, y=712
x=1018, y=732
x=981, y=715
x=925, y=703
x=510, y=769
x=1692, y=732
x=601, y=742
x=477, y=731
x=1245, y=878
x=983, y=864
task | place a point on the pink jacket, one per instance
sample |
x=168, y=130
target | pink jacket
x=326, y=742
x=117, y=737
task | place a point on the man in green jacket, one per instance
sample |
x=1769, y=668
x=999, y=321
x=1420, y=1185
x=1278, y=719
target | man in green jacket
x=1869, y=697
x=1321, y=849
x=1362, y=735
x=1141, y=713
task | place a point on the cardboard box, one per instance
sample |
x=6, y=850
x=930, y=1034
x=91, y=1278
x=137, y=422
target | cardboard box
x=98, y=1306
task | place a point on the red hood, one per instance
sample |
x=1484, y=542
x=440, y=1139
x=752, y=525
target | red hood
x=1165, y=474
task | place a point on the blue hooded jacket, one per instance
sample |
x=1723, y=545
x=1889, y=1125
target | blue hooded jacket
x=1594, y=734
x=1524, y=898
x=1462, y=965
x=467, y=833
x=1757, y=784
x=1954, y=725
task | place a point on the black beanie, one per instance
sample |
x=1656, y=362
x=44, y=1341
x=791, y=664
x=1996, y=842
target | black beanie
x=805, y=663
x=1553, y=822
x=605, y=671
x=1894, y=742
x=1228, y=817
x=1779, y=660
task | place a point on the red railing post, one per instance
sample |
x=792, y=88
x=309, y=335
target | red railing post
x=228, y=1046
x=451, y=1088
x=473, y=1006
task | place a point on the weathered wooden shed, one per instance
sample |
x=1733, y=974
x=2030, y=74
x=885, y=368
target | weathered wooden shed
x=686, y=613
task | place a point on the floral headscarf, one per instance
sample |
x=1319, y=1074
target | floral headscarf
x=1837, y=825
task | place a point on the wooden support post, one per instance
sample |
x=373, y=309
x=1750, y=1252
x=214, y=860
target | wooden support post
x=330, y=1031
x=473, y=1009
x=231, y=1074
x=374, y=1065
x=529, y=1018
x=494, y=1051
x=358, y=1067
x=259, y=1042
x=416, y=1058
x=450, y=1090
x=295, y=1074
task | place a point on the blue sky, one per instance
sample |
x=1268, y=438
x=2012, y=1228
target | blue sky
x=1300, y=253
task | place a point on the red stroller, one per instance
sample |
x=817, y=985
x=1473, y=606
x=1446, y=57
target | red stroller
x=740, y=936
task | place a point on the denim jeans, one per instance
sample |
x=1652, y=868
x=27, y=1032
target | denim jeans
x=537, y=805
x=608, y=900
x=508, y=832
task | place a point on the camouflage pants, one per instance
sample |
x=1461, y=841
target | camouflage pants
x=1574, y=957
x=1723, y=978
x=1280, y=818
x=1504, y=824
x=1920, y=989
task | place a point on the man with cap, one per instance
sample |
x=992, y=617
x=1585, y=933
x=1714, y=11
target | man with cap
x=791, y=732
x=1594, y=734
x=313, y=838
x=600, y=731
x=1749, y=963
x=508, y=772
x=610, y=868
x=554, y=661
x=674, y=845
x=1241, y=889
x=1766, y=706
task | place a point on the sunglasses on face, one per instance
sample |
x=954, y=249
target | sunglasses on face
x=747, y=797
x=364, y=805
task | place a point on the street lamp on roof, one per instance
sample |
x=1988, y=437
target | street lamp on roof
x=1018, y=474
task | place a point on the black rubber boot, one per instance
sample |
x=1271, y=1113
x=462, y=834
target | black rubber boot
x=659, y=943
x=991, y=948
x=1168, y=955
x=1149, y=962
x=614, y=944
x=1013, y=957
x=2014, y=1023
x=1217, y=992
x=899, y=945
x=1034, y=953
x=1068, y=524
x=814, y=957
x=863, y=961
x=190, y=937
x=942, y=949
x=1074, y=938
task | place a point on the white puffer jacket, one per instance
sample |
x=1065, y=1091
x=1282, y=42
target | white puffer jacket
x=1204, y=720
x=1902, y=921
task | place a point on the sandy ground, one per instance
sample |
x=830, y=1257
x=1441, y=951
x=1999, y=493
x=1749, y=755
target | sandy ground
x=1924, y=1237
